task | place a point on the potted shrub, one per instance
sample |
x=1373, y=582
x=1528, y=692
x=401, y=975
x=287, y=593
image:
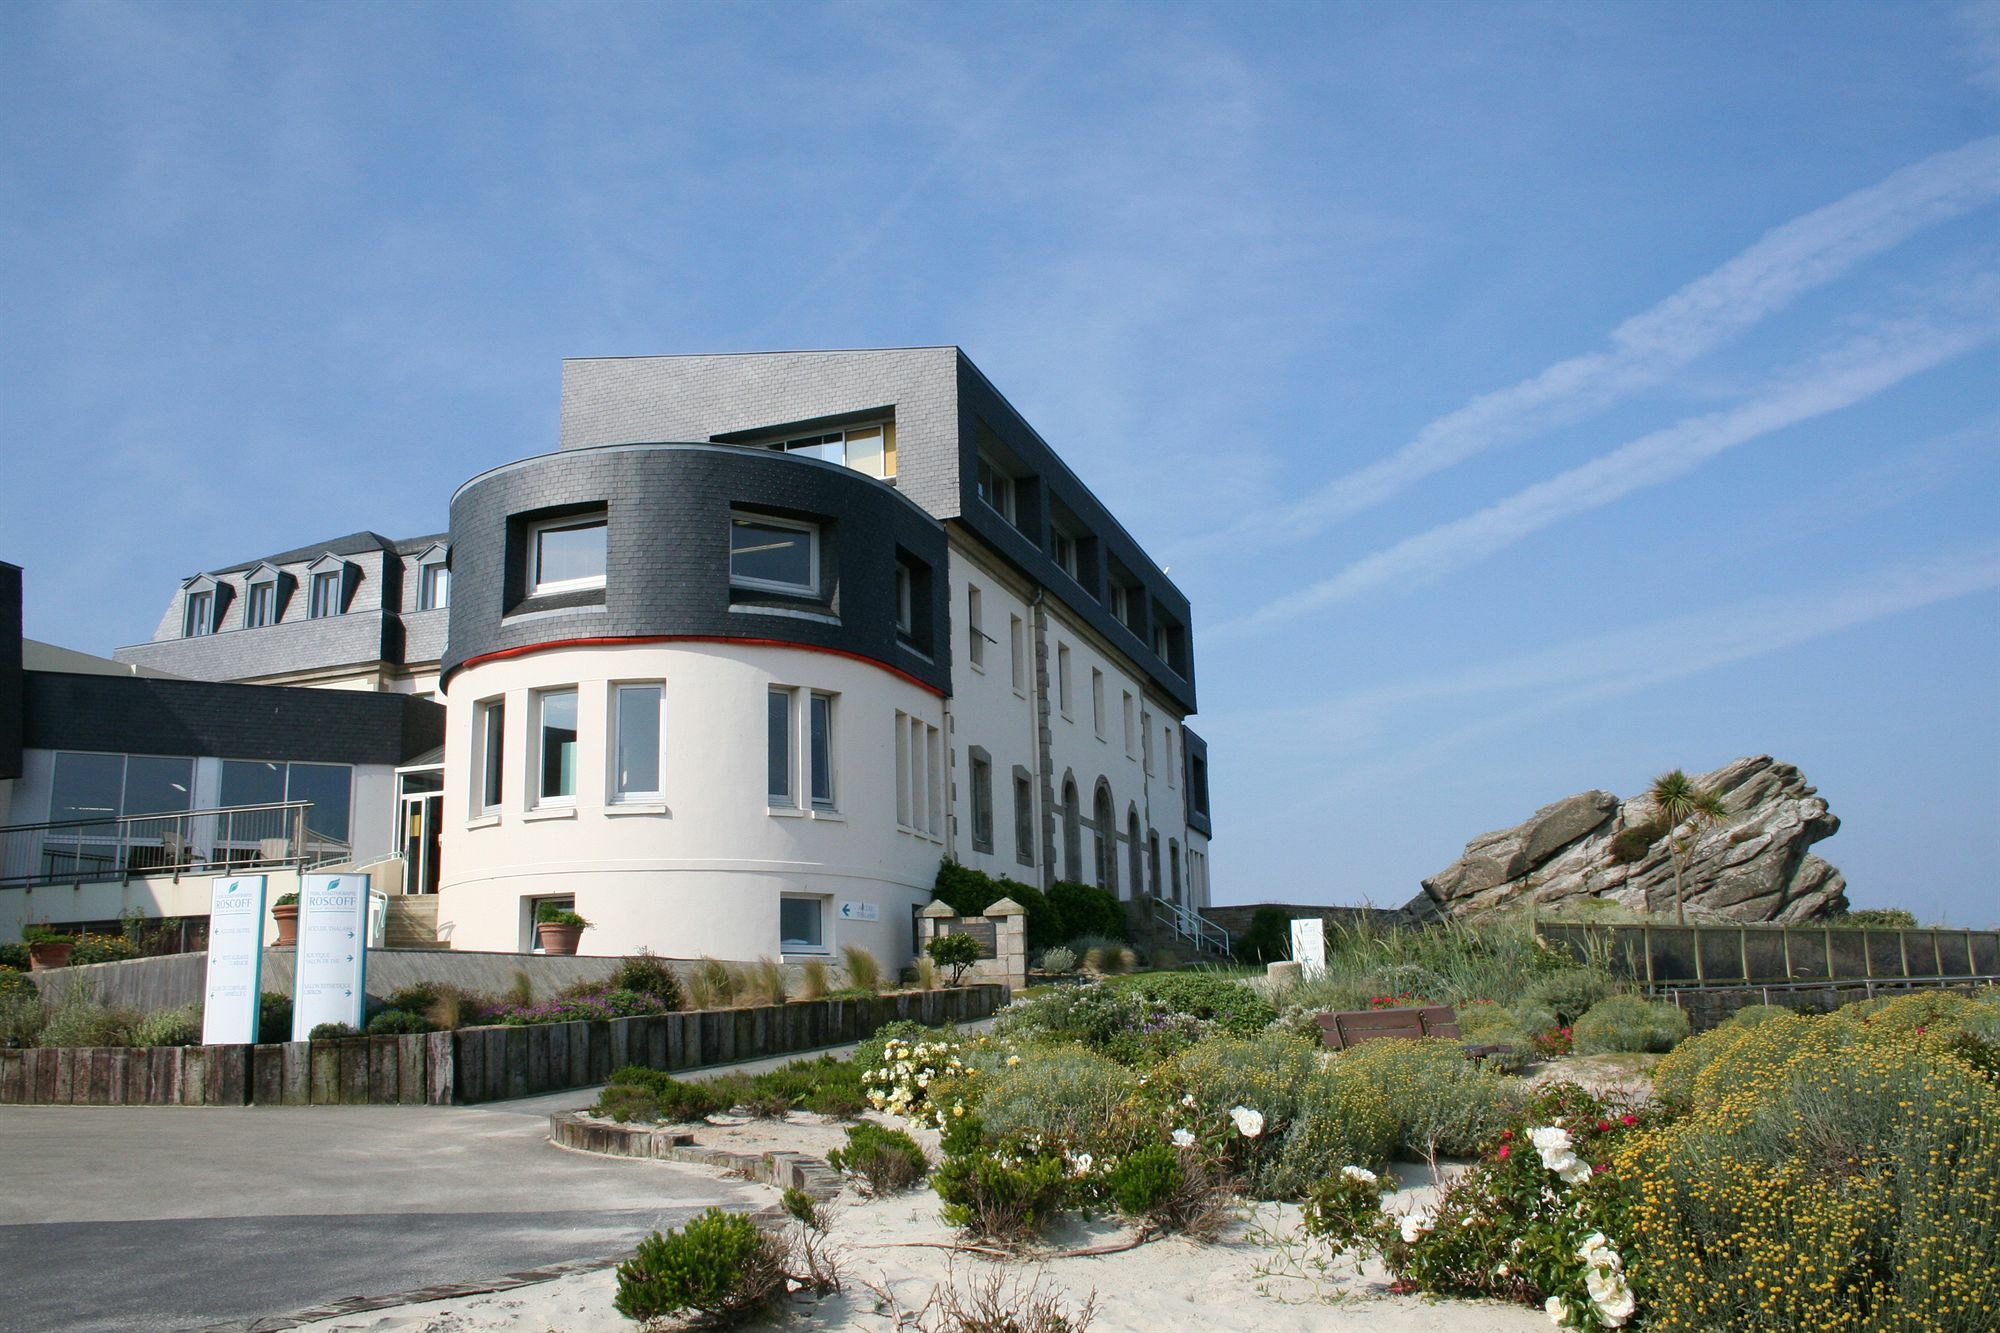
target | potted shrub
x=47, y=948
x=285, y=911
x=557, y=929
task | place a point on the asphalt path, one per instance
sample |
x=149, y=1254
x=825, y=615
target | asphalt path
x=115, y=1218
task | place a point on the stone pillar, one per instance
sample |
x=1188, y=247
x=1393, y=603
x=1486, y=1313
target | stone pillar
x=1010, y=943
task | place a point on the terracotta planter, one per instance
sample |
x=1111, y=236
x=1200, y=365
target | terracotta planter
x=287, y=917
x=55, y=953
x=558, y=939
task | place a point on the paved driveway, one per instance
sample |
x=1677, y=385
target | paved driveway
x=174, y=1218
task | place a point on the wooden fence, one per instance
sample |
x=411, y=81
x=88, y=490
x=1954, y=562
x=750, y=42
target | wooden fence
x=470, y=1065
x=1711, y=954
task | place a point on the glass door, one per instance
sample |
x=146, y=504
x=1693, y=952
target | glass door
x=422, y=809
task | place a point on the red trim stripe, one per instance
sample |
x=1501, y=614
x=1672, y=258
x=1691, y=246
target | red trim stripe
x=611, y=641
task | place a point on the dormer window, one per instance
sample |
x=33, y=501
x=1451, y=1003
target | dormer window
x=200, y=616
x=324, y=598
x=434, y=587
x=996, y=488
x=1065, y=553
x=870, y=449
x=566, y=555
x=260, y=608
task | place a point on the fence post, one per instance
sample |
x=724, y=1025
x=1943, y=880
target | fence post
x=1867, y=959
x=1785, y=938
x=1903, y=947
x=1646, y=940
x=1743, y=947
x=1828, y=932
x=1699, y=976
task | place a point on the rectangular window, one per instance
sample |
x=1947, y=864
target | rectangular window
x=996, y=488
x=87, y=786
x=1062, y=678
x=920, y=780
x=975, y=651
x=934, y=762
x=1167, y=740
x=1024, y=819
x=919, y=802
x=330, y=789
x=1121, y=604
x=1131, y=729
x=1097, y=701
x=252, y=782
x=489, y=763
x=1018, y=653
x=1198, y=784
x=982, y=802
x=434, y=588
x=869, y=449
x=902, y=770
x=778, y=762
x=157, y=785
x=200, y=615
x=566, y=555
x=261, y=608
x=821, y=724
x=906, y=601
x=1146, y=738
x=324, y=599
x=802, y=925
x=635, y=772
x=775, y=554
x=1065, y=552
x=555, y=728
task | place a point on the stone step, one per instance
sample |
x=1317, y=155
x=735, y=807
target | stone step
x=412, y=921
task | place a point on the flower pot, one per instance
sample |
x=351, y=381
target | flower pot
x=287, y=917
x=558, y=939
x=48, y=954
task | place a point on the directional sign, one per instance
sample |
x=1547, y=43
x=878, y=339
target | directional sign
x=860, y=912
x=330, y=984
x=235, y=958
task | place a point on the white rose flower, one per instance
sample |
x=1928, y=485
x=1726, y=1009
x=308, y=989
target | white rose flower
x=1610, y=1295
x=1574, y=1170
x=1183, y=1139
x=1187, y=1100
x=1556, y=1310
x=1248, y=1123
x=1415, y=1224
x=1360, y=1173
x=1081, y=1163
x=1597, y=1251
x=1551, y=1142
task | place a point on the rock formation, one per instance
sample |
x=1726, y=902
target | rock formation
x=1750, y=865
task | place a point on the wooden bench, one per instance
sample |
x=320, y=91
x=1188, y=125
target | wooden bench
x=1342, y=1030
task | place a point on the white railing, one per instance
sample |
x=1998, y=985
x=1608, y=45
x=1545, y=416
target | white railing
x=1192, y=926
x=226, y=840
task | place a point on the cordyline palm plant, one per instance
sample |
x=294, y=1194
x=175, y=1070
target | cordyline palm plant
x=1679, y=802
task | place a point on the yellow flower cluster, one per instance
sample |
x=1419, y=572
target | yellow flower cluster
x=1837, y=1173
x=911, y=1071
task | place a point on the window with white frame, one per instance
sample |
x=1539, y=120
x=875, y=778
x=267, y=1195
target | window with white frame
x=801, y=925
x=1097, y=702
x=260, y=605
x=773, y=554
x=919, y=776
x=566, y=554
x=434, y=587
x=1024, y=817
x=870, y=449
x=638, y=752
x=323, y=598
x=1017, y=635
x=1131, y=729
x=980, y=766
x=819, y=740
x=1146, y=738
x=995, y=487
x=975, y=651
x=1062, y=678
x=778, y=749
x=200, y=619
x=489, y=735
x=555, y=747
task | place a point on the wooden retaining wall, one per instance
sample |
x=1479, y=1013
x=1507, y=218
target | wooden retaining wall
x=470, y=1065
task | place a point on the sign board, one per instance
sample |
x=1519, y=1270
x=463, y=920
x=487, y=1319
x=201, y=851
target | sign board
x=235, y=960
x=330, y=983
x=985, y=932
x=860, y=912
x=1309, y=946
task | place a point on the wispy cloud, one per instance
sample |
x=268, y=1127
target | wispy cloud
x=1979, y=21
x=1857, y=370
x=1790, y=260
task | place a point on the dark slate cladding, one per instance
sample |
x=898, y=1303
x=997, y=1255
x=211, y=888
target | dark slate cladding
x=10, y=670
x=667, y=554
x=143, y=715
x=1195, y=782
x=980, y=404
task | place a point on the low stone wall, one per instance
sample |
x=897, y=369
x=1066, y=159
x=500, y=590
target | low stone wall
x=1710, y=1006
x=779, y=1169
x=1236, y=918
x=470, y=1065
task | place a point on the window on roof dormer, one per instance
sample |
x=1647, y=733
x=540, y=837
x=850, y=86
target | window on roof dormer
x=434, y=588
x=200, y=618
x=870, y=449
x=324, y=598
x=260, y=608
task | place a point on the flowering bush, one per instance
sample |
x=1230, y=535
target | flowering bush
x=577, y=1007
x=1063, y=1093
x=901, y=1085
x=1442, y=1102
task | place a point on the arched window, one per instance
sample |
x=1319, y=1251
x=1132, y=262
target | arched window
x=1072, y=832
x=1134, y=848
x=1105, y=824
x=1174, y=867
x=1153, y=863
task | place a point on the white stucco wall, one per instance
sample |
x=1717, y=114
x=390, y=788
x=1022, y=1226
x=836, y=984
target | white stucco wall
x=702, y=871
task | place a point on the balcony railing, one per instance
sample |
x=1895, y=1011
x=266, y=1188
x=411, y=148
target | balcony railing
x=225, y=841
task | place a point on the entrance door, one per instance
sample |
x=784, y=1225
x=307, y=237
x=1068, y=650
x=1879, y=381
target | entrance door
x=423, y=820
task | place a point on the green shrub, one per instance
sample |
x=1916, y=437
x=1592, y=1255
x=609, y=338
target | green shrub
x=720, y=1265
x=1232, y=1006
x=15, y=982
x=1269, y=938
x=1267, y=1074
x=79, y=1020
x=1442, y=1102
x=1059, y=960
x=413, y=999
x=396, y=1022
x=863, y=971
x=1628, y=1023
x=1632, y=843
x=1008, y=1198
x=1342, y=1119
x=548, y=914
x=274, y=1017
x=170, y=1027
x=679, y=1102
x=622, y=1103
x=1063, y=1093
x=21, y=1017
x=888, y=1159
x=1113, y=1020
x=1750, y=1015
x=1145, y=1180
x=1570, y=993
x=1487, y=1024
x=332, y=1032
x=969, y=892
x=954, y=953
x=644, y=974
x=1086, y=909
x=1534, y=1017
x=15, y=956
x=1881, y=918
x=94, y=948
x=822, y=1085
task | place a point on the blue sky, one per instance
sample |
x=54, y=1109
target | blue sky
x=1530, y=397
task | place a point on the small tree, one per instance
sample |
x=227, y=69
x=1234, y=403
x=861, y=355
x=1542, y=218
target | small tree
x=1679, y=802
x=956, y=952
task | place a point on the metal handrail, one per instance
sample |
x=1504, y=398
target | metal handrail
x=222, y=839
x=1192, y=925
